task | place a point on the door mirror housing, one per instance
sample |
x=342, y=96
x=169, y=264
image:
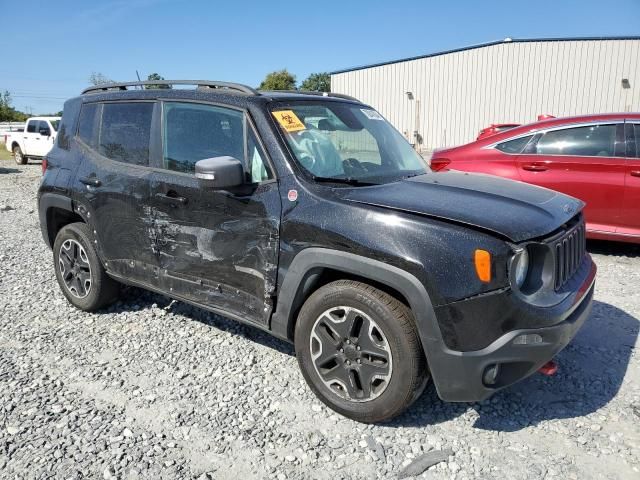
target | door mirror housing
x=45, y=133
x=220, y=172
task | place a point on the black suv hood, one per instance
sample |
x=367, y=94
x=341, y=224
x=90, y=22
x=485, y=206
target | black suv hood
x=515, y=210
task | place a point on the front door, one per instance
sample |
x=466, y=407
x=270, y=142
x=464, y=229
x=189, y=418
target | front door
x=112, y=184
x=217, y=248
x=586, y=162
x=630, y=217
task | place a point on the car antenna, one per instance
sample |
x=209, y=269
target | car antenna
x=138, y=75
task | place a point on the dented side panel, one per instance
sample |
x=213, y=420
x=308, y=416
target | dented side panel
x=113, y=209
x=217, y=248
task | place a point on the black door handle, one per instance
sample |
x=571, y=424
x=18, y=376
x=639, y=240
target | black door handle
x=91, y=181
x=171, y=197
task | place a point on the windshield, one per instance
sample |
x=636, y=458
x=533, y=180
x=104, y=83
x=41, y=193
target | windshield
x=54, y=124
x=347, y=143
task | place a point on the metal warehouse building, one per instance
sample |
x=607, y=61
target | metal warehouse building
x=445, y=98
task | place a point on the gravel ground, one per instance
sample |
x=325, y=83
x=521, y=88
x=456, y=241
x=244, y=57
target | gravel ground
x=157, y=389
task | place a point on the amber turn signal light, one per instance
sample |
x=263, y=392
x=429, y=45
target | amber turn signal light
x=482, y=260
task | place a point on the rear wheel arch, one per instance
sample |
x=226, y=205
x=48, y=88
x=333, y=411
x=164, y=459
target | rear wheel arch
x=56, y=212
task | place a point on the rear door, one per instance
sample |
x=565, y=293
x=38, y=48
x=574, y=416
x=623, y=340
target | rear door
x=584, y=161
x=112, y=183
x=630, y=215
x=30, y=136
x=215, y=247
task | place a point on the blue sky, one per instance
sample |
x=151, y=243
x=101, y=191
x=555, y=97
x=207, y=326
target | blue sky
x=51, y=47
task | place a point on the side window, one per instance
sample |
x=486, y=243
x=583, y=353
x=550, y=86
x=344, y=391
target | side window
x=43, y=128
x=124, y=132
x=589, y=141
x=88, y=124
x=514, y=146
x=256, y=168
x=193, y=132
x=31, y=126
x=630, y=140
x=62, y=139
x=637, y=135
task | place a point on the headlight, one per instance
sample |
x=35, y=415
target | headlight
x=521, y=267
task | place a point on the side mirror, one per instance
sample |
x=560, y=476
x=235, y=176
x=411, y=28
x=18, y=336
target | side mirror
x=45, y=133
x=220, y=172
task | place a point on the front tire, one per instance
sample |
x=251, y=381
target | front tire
x=359, y=351
x=79, y=271
x=18, y=157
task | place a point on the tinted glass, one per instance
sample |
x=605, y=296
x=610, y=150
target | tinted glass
x=256, y=168
x=125, y=130
x=514, y=146
x=590, y=141
x=193, y=132
x=88, y=124
x=43, y=127
x=31, y=126
x=637, y=135
x=629, y=139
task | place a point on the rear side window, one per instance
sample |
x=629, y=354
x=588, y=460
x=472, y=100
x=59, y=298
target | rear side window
x=88, y=124
x=43, y=128
x=193, y=132
x=637, y=135
x=589, y=141
x=514, y=146
x=124, y=132
x=31, y=126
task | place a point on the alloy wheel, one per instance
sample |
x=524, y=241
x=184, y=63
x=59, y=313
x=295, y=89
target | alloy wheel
x=74, y=268
x=351, y=354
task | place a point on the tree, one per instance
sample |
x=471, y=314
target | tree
x=97, y=78
x=7, y=112
x=156, y=76
x=317, y=82
x=280, y=80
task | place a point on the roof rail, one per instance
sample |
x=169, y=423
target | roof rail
x=204, y=84
x=311, y=92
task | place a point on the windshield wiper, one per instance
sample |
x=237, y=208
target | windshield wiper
x=413, y=175
x=346, y=181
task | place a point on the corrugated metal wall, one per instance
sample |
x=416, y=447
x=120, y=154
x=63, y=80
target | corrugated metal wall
x=461, y=92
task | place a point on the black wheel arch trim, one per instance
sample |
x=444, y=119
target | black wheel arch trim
x=47, y=201
x=409, y=286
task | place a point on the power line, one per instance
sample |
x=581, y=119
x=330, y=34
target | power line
x=39, y=97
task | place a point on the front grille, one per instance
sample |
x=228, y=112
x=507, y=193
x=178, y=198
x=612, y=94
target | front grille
x=569, y=252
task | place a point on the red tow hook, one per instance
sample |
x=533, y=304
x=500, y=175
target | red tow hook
x=549, y=368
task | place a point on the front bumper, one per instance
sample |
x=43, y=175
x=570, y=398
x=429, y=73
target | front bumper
x=462, y=376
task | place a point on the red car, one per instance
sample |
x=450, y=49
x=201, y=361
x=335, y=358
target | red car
x=595, y=158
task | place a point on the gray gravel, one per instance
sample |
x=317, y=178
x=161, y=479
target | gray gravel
x=157, y=389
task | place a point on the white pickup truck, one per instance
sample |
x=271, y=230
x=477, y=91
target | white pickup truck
x=35, y=140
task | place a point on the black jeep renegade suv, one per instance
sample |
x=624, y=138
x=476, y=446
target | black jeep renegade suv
x=311, y=217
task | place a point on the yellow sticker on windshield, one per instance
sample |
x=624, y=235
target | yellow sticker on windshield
x=289, y=120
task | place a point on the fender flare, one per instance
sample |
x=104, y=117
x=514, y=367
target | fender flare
x=47, y=201
x=408, y=285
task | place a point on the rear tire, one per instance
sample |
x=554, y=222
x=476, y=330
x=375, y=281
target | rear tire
x=79, y=271
x=18, y=157
x=359, y=351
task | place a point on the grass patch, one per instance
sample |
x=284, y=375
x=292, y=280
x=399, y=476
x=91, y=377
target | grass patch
x=4, y=153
